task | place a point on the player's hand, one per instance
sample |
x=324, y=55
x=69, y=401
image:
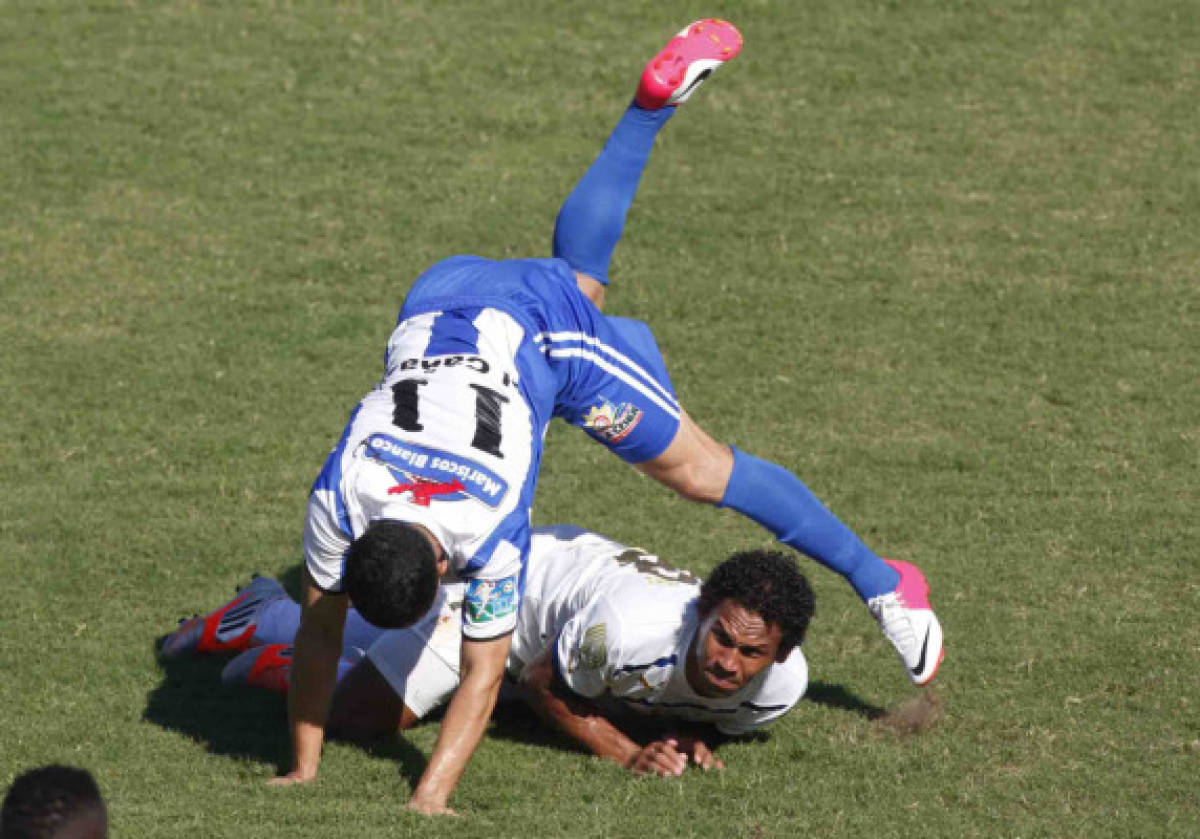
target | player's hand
x=698, y=752
x=428, y=807
x=292, y=778
x=659, y=758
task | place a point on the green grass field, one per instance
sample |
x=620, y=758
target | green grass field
x=939, y=258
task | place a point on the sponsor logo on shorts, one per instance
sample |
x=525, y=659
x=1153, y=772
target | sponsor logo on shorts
x=490, y=600
x=429, y=474
x=612, y=423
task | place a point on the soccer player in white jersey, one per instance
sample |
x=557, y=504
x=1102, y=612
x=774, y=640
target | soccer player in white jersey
x=437, y=466
x=605, y=633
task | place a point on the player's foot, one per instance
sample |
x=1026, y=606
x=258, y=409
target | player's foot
x=686, y=61
x=229, y=628
x=269, y=667
x=908, y=621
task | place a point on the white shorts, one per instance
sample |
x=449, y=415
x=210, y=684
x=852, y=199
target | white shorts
x=420, y=663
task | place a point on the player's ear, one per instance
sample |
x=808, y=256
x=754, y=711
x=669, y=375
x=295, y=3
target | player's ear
x=443, y=565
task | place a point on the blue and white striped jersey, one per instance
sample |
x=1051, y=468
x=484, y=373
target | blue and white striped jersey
x=484, y=354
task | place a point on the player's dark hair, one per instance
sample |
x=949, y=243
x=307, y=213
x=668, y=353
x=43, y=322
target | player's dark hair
x=767, y=583
x=43, y=800
x=391, y=574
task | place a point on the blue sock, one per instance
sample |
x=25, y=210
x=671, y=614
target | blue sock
x=776, y=499
x=279, y=621
x=593, y=216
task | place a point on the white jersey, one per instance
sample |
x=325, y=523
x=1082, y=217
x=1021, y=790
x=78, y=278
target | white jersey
x=485, y=354
x=620, y=624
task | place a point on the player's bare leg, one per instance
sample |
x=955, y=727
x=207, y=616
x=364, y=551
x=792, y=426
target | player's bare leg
x=694, y=465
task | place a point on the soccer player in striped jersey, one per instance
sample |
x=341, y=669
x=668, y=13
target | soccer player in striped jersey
x=437, y=466
x=607, y=639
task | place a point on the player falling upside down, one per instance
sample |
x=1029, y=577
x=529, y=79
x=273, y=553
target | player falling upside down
x=437, y=465
x=603, y=630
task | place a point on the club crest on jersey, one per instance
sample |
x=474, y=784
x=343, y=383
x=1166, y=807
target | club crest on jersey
x=612, y=422
x=427, y=475
x=490, y=600
x=592, y=652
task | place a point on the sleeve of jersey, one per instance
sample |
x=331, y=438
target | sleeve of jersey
x=490, y=607
x=325, y=543
x=783, y=688
x=587, y=651
x=493, y=595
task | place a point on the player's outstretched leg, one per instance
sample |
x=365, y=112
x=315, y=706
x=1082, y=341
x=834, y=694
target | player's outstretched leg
x=895, y=592
x=705, y=470
x=261, y=613
x=591, y=220
x=229, y=628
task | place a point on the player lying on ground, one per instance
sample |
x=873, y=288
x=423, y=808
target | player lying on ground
x=604, y=633
x=438, y=464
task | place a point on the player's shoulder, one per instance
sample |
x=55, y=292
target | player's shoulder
x=650, y=620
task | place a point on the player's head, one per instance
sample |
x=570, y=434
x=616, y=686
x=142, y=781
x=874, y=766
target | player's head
x=54, y=802
x=754, y=609
x=392, y=574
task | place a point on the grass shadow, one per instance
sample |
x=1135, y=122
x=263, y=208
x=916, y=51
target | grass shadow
x=243, y=723
x=409, y=760
x=515, y=721
x=836, y=696
x=228, y=720
x=292, y=580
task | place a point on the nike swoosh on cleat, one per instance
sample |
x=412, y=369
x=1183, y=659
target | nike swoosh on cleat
x=916, y=671
x=704, y=74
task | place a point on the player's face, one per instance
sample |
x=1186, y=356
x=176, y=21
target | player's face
x=91, y=823
x=735, y=646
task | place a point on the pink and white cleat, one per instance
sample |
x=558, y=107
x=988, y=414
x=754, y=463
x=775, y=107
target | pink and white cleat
x=908, y=621
x=228, y=629
x=686, y=61
x=269, y=667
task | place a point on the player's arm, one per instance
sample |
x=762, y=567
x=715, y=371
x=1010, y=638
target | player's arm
x=482, y=669
x=581, y=719
x=318, y=646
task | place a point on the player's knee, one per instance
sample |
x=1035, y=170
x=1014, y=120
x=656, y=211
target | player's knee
x=702, y=482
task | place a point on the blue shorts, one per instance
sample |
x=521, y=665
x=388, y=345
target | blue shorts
x=624, y=398
x=603, y=374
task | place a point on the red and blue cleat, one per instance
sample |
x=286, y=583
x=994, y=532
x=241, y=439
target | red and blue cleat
x=228, y=629
x=269, y=666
